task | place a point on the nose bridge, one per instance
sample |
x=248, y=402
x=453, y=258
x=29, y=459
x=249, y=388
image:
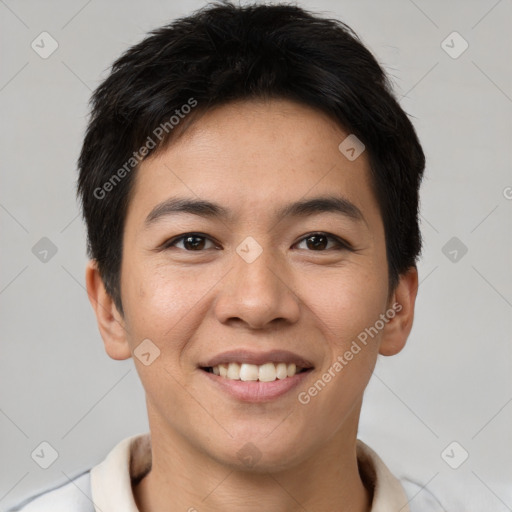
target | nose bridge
x=257, y=291
x=258, y=277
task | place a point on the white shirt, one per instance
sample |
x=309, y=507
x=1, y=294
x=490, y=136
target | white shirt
x=107, y=487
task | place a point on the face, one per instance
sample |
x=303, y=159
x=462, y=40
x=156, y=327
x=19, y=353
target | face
x=253, y=239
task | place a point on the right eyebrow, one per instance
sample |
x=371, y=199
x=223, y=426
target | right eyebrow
x=181, y=205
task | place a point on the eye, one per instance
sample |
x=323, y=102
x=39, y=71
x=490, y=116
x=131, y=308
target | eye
x=318, y=242
x=322, y=242
x=191, y=242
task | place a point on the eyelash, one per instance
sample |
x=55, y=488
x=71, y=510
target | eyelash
x=340, y=243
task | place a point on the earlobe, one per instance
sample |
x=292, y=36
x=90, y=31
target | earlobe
x=399, y=327
x=110, y=322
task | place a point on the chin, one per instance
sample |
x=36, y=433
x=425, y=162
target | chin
x=255, y=453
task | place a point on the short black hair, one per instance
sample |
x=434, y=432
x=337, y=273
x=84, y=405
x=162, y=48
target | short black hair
x=223, y=53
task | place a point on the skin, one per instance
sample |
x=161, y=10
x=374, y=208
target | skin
x=253, y=157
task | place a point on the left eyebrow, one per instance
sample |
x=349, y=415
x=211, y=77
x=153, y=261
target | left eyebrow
x=208, y=209
x=324, y=204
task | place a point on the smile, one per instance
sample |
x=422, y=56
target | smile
x=250, y=376
x=267, y=372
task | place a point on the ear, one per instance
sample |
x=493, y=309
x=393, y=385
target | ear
x=402, y=303
x=110, y=322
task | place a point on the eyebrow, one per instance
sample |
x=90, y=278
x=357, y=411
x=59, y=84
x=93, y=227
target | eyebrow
x=208, y=209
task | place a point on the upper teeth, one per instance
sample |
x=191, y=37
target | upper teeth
x=265, y=372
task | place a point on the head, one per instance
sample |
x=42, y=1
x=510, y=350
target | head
x=271, y=137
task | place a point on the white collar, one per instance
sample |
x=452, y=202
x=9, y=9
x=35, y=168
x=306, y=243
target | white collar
x=111, y=480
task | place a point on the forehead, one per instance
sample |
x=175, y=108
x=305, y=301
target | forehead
x=252, y=157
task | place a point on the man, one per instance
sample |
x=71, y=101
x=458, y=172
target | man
x=250, y=188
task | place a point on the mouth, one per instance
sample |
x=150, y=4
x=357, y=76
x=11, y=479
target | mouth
x=267, y=372
x=247, y=365
x=256, y=377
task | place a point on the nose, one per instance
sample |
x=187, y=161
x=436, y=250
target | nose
x=257, y=294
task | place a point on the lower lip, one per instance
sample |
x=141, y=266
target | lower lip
x=256, y=391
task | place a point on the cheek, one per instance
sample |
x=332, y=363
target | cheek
x=344, y=308
x=162, y=305
x=348, y=363
x=165, y=309
x=345, y=304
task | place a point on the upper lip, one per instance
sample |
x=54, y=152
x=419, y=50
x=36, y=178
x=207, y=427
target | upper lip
x=258, y=358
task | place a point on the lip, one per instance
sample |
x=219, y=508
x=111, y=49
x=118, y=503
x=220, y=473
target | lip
x=256, y=391
x=258, y=358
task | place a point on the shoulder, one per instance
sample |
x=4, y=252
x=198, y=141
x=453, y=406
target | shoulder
x=72, y=496
x=103, y=487
x=390, y=492
x=420, y=499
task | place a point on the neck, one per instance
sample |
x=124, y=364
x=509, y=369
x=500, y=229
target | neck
x=183, y=478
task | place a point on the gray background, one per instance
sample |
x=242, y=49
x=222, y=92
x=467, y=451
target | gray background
x=453, y=380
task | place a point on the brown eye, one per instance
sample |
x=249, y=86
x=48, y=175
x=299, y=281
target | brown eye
x=194, y=243
x=322, y=241
x=191, y=242
x=316, y=242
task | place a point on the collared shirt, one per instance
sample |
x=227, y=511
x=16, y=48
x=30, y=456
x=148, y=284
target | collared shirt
x=107, y=487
